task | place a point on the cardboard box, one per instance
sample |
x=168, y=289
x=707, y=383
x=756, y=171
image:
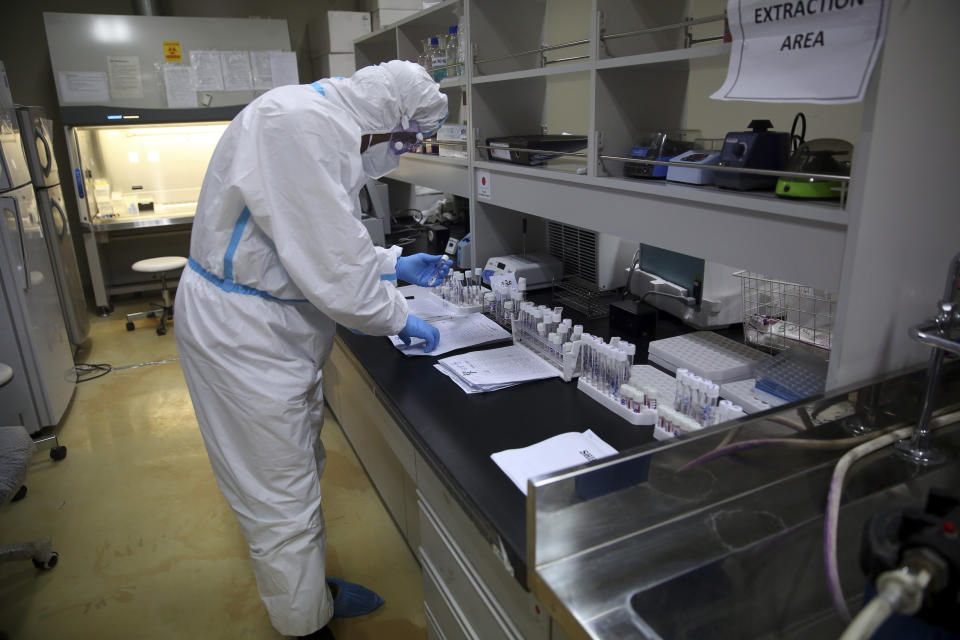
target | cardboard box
x=334, y=65
x=335, y=31
x=386, y=17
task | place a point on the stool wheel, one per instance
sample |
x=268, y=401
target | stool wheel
x=58, y=453
x=20, y=494
x=130, y=326
x=161, y=331
x=50, y=563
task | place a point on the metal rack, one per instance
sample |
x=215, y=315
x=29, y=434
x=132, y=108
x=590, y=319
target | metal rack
x=779, y=315
x=578, y=294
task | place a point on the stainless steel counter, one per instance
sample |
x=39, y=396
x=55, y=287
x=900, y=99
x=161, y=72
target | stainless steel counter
x=638, y=546
x=142, y=222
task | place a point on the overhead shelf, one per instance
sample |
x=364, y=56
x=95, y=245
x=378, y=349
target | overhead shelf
x=449, y=175
x=676, y=58
x=558, y=69
x=780, y=238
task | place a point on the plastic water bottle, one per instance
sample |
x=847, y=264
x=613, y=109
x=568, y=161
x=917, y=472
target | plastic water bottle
x=453, y=52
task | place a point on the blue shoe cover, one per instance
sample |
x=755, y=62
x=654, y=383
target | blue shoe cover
x=353, y=600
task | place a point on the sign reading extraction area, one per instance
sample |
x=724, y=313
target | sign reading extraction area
x=802, y=51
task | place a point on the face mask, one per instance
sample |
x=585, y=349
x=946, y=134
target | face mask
x=379, y=160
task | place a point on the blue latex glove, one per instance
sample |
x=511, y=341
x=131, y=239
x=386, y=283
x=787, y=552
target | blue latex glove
x=352, y=600
x=419, y=268
x=418, y=328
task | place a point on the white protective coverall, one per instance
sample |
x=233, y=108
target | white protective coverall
x=277, y=259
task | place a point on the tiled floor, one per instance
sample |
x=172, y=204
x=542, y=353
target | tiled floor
x=149, y=548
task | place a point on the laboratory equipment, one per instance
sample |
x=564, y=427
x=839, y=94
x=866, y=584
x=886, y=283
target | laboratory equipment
x=534, y=150
x=695, y=171
x=658, y=145
x=438, y=57
x=453, y=58
x=777, y=314
x=708, y=355
x=745, y=394
x=374, y=208
x=758, y=148
x=38, y=147
x=823, y=156
x=33, y=333
x=713, y=285
x=141, y=134
x=540, y=270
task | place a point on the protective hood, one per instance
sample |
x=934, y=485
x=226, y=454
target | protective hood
x=389, y=95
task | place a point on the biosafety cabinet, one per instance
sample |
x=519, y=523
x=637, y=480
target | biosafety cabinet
x=145, y=100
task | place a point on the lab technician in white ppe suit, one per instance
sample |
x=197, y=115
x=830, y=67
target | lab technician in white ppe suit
x=277, y=260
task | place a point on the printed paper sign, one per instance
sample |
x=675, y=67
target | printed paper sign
x=125, y=79
x=283, y=68
x=206, y=70
x=171, y=51
x=178, y=81
x=262, y=73
x=820, y=51
x=236, y=70
x=483, y=185
x=84, y=86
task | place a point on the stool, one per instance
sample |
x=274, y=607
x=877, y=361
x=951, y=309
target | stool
x=161, y=266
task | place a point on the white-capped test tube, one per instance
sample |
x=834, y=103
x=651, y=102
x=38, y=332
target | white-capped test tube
x=490, y=304
x=652, y=398
x=508, y=310
x=555, y=349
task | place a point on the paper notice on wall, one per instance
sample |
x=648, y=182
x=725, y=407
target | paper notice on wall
x=262, y=75
x=236, y=70
x=125, y=78
x=178, y=83
x=83, y=86
x=206, y=70
x=283, y=68
x=820, y=51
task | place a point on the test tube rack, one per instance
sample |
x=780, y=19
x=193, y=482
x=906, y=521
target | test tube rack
x=459, y=309
x=645, y=417
x=566, y=358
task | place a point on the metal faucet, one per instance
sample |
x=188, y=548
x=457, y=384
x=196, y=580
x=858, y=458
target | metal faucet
x=936, y=333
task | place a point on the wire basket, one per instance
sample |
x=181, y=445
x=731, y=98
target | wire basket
x=779, y=315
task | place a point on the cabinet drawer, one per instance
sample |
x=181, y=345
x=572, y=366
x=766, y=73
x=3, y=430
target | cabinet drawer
x=472, y=597
x=519, y=604
x=439, y=606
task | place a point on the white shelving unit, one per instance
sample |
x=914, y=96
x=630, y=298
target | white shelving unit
x=610, y=87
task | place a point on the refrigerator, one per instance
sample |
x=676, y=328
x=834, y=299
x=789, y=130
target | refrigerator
x=37, y=138
x=33, y=334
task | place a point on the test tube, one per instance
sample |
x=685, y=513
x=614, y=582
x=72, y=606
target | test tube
x=508, y=310
x=577, y=332
x=488, y=302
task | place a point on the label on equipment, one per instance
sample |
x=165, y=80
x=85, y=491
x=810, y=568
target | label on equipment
x=503, y=153
x=171, y=51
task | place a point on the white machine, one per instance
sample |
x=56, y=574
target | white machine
x=540, y=270
x=696, y=172
x=721, y=295
x=374, y=210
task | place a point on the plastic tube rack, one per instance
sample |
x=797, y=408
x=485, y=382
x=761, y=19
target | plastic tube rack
x=565, y=356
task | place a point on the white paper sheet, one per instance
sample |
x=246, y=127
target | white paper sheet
x=283, y=68
x=236, y=70
x=206, y=70
x=456, y=333
x=262, y=74
x=125, y=78
x=84, y=86
x=178, y=84
x=493, y=369
x=802, y=51
x=553, y=454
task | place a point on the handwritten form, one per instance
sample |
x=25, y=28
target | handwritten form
x=481, y=371
x=456, y=333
